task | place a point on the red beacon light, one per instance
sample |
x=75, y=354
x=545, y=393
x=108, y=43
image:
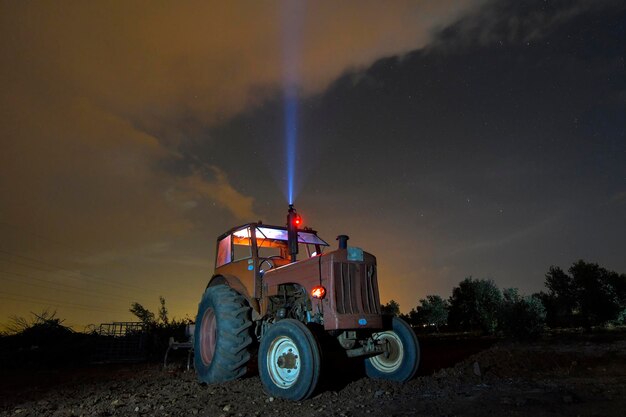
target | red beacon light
x=293, y=224
x=318, y=292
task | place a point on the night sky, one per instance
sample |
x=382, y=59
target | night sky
x=466, y=138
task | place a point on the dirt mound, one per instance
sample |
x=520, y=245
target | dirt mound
x=573, y=378
x=539, y=360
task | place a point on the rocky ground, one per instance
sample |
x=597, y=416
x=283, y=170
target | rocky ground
x=580, y=376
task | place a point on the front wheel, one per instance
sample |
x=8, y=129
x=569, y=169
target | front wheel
x=402, y=358
x=289, y=360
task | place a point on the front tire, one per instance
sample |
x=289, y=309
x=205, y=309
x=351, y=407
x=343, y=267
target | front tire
x=289, y=360
x=402, y=359
x=222, y=338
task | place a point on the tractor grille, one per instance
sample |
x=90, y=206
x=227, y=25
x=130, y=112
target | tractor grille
x=356, y=288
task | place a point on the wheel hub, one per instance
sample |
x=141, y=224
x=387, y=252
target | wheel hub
x=207, y=336
x=391, y=359
x=283, y=362
x=287, y=361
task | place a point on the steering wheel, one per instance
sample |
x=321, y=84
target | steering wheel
x=269, y=262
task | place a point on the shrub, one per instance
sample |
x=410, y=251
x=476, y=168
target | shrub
x=43, y=341
x=521, y=317
x=159, y=330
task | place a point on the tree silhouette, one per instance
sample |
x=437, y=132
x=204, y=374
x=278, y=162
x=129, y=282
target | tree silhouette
x=618, y=282
x=474, y=305
x=143, y=314
x=432, y=311
x=597, y=298
x=589, y=296
x=561, y=301
x=148, y=317
x=521, y=317
x=163, y=311
x=391, y=308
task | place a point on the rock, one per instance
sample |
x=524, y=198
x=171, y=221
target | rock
x=136, y=409
x=520, y=402
x=379, y=393
x=476, y=369
x=226, y=408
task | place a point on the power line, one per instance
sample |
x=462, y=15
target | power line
x=73, y=277
x=72, y=248
x=56, y=303
x=70, y=288
x=84, y=274
x=23, y=229
x=13, y=261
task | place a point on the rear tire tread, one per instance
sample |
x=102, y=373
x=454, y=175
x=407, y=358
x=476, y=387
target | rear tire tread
x=233, y=335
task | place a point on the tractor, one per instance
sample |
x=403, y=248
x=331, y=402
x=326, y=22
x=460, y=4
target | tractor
x=263, y=300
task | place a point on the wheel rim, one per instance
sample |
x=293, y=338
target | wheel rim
x=283, y=362
x=207, y=336
x=391, y=360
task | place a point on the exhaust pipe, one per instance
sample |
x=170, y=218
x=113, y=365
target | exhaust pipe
x=343, y=241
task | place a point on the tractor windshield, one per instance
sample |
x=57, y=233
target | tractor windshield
x=264, y=232
x=271, y=243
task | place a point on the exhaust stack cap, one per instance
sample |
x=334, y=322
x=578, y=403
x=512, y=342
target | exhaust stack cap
x=343, y=241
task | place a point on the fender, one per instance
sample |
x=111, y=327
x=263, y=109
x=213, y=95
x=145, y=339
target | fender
x=234, y=283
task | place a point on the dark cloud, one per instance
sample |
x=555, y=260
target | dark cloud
x=495, y=152
x=100, y=100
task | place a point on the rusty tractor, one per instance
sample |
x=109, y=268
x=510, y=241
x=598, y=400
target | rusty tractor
x=262, y=300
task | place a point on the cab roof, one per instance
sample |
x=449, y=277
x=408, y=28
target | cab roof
x=306, y=235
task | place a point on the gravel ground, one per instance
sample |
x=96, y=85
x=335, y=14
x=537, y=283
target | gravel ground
x=577, y=378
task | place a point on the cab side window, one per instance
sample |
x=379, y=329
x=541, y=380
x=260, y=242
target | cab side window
x=242, y=247
x=224, y=253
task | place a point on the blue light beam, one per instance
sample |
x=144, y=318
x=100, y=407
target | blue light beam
x=292, y=18
x=291, y=134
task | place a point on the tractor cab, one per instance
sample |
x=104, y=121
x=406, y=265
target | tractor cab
x=249, y=251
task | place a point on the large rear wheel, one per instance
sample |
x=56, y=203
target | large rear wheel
x=289, y=360
x=222, y=337
x=402, y=357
